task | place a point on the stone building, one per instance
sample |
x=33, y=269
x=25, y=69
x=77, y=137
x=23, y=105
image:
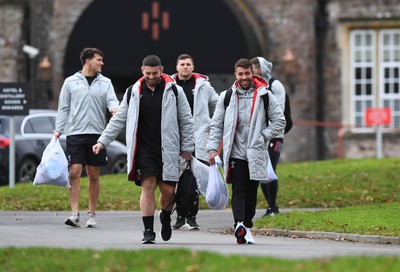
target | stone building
x=336, y=58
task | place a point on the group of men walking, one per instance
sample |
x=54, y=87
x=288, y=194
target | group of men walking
x=169, y=119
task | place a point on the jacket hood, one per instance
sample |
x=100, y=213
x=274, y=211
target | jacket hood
x=195, y=75
x=80, y=75
x=167, y=78
x=265, y=67
x=258, y=82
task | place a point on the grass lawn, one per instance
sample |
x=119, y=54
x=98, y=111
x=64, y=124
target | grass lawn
x=355, y=196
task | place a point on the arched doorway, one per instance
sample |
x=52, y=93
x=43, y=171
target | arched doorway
x=128, y=30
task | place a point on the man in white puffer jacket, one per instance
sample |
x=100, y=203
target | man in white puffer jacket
x=202, y=99
x=159, y=133
x=245, y=131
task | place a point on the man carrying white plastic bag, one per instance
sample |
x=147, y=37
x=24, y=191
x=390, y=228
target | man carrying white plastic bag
x=53, y=169
x=217, y=194
x=246, y=118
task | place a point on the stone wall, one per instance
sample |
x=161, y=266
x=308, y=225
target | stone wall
x=281, y=25
x=359, y=13
x=11, y=23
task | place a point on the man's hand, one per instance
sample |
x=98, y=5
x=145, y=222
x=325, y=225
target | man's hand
x=113, y=111
x=211, y=157
x=186, y=155
x=97, y=148
x=56, y=134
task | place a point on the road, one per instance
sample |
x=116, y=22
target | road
x=123, y=230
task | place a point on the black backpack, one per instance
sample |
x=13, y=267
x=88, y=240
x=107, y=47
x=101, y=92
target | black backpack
x=187, y=194
x=286, y=112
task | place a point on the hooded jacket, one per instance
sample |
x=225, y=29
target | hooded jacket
x=205, y=99
x=81, y=108
x=278, y=90
x=176, y=128
x=224, y=124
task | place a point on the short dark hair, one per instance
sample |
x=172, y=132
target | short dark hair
x=255, y=62
x=184, y=56
x=88, y=53
x=244, y=63
x=152, y=61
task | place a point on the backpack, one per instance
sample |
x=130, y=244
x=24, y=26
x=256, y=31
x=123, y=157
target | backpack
x=130, y=93
x=187, y=194
x=286, y=112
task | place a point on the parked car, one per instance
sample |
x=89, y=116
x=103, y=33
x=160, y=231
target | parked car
x=32, y=134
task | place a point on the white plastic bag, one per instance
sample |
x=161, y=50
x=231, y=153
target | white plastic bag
x=217, y=195
x=53, y=169
x=271, y=175
x=200, y=172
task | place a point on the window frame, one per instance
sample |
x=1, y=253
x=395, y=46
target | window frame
x=377, y=96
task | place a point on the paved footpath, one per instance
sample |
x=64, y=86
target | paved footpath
x=123, y=230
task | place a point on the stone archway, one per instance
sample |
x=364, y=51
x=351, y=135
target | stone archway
x=213, y=32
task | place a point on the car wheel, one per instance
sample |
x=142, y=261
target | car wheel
x=118, y=166
x=27, y=170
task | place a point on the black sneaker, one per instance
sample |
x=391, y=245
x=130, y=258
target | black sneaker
x=192, y=223
x=272, y=211
x=166, y=230
x=180, y=223
x=149, y=237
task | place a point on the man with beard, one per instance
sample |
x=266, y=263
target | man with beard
x=245, y=128
x=159, y=133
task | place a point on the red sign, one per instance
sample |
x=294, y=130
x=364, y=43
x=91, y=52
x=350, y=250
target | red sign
x=378, y=116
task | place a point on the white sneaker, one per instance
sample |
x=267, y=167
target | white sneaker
x=91, y=220
x=73, y=220
x=249, y=238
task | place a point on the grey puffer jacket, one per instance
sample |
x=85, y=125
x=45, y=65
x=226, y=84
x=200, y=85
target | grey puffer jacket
x=82, y=108
x=176, y=128
x=278, y=90
x=204, y=102
x=224, y=122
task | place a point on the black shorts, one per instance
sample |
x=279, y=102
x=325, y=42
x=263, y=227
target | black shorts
x=79, y=150
x=148, y=165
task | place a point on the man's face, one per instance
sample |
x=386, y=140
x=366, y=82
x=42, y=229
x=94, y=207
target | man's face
x=95, y=64
x=152, y=75
x=185, y=68
x=244, y=77
x=256, y=70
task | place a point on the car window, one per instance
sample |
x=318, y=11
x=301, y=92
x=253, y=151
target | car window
x=3, y=126
x=40, y=124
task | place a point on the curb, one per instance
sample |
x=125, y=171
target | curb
x=344, y=237
x=374, y=239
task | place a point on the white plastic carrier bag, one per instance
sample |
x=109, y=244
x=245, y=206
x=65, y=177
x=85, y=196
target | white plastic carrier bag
x=271, y=175
x=53, y=168
x=200, y=172
x=217, y=195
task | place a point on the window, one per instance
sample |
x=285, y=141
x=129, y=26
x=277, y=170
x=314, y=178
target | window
x=375, y=76
x=40, y=125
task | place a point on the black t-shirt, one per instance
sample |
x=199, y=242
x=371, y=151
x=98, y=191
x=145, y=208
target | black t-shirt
x=150, y=120
x=188, y=87
x=90, y=79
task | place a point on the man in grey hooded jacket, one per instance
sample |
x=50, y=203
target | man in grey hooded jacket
x=245, y=131
x=84, y=99
x=263, y=68
x=159, y=134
